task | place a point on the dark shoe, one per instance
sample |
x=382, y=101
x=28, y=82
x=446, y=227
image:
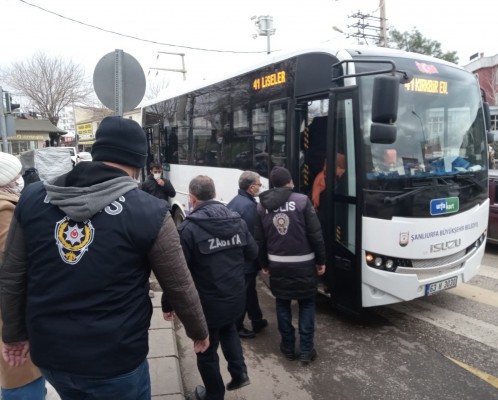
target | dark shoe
x=259, y=325
x=246, y=334
x=241, y=381
x=200, y=392
x=306, y=358
x=289, y=354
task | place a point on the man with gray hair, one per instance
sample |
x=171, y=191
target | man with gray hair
x=216, y=244
x=245, y=204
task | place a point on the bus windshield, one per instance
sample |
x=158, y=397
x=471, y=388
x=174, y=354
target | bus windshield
x=439, y=128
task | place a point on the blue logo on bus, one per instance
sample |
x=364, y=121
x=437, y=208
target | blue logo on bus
x=445, y=206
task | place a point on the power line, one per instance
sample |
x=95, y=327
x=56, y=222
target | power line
x=137, y=38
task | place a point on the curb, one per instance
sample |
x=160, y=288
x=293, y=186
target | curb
x=164, y=365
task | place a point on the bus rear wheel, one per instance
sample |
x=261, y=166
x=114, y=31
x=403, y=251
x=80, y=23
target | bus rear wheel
x=178, y=217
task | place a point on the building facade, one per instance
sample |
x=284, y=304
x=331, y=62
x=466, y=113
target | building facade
x=486, y=68
x=32, y=134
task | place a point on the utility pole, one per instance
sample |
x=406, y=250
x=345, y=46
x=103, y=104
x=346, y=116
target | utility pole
x=7, y=123
x=183, y=70
x=369, y=27
x=383, y=28
x=264, y=27
x=3, y=126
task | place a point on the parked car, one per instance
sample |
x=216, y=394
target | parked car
x=83, y=156
x=74, y=153
x=493, y=207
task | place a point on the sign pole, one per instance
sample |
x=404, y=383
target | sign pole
x=118, y=87
x=3, y=125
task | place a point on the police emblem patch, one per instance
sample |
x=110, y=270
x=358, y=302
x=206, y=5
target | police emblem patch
x=281, y=222
x=73, y=239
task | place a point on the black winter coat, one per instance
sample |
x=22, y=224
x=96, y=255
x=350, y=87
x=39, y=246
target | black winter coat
x=245, y=205
x=216, y=244
x=291, y=244
x=155, y=189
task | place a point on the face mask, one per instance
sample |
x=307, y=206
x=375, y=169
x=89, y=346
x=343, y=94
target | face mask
x=20, y=184
x=157, y=176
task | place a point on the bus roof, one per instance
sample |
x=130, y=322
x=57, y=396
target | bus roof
x=342, y=54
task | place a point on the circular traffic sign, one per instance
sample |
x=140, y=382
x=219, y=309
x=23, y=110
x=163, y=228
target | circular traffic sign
x=106, y=83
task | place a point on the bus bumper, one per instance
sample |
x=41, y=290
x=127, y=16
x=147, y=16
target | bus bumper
x=383, y=287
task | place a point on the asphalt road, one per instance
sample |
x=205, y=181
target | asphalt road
x=439, y=347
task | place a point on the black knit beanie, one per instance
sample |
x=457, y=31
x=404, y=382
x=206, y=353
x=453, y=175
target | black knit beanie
x=120, y=140
x=280, y=176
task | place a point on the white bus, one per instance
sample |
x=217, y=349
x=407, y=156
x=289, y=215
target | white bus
x=405, y=213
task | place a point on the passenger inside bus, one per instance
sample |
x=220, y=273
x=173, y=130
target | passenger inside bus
x=319, y=182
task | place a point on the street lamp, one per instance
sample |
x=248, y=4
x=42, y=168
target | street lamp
x=264, y=26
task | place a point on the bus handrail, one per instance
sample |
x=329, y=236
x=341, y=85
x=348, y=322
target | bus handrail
x=405, y=78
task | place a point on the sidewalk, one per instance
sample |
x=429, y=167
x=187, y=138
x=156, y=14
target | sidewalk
x=163, y=359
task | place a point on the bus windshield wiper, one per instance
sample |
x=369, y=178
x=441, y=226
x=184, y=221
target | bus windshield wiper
x=470, y=178
x=412, y=192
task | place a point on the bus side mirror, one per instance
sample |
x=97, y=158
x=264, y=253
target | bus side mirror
x=384, y=109
x=385, y=99
x=382, y=133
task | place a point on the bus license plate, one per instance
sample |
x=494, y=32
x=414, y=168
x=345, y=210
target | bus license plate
x=449, y=283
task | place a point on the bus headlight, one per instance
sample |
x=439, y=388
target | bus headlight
x=385, y=263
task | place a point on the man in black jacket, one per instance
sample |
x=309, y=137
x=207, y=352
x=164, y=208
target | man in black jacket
x=156, y=185
x=216, y=244
x=245, y=204
x=292, y=249
x=74, y=279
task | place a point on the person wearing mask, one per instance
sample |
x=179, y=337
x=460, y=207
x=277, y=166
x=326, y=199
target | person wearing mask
x=24, y=382
x=156, y=185
x=216, y=244
x=159, y=187
x=74, y=280
x=245, y=204
x=292, y=251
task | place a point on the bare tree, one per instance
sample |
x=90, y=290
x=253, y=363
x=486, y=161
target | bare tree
x=155, y=87
x=51, y=83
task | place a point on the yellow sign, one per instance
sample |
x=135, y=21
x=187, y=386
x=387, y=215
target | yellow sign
x=278, y=78
x=84, y=129
x=427, y=86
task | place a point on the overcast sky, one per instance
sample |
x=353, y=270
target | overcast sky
x=224, y=25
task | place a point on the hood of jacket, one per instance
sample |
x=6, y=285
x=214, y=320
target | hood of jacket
x=216, y=219
x=87, y=189
x=274, y=198
x=11, y=197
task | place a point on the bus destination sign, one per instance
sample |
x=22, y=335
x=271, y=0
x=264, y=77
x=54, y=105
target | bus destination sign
x=422, y=85
x=277, y=78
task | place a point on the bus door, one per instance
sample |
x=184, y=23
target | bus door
x=341, y=208
x=278, y=133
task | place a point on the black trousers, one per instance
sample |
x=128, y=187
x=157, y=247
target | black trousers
x=252, y=308
x=208, y=362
